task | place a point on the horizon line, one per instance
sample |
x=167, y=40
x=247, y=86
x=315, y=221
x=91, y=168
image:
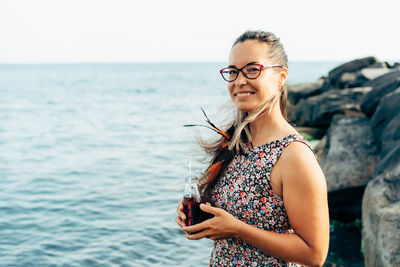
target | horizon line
x=144, y=62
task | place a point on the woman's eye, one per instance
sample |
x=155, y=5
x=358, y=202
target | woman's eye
x=232, y=72
x=253, y=69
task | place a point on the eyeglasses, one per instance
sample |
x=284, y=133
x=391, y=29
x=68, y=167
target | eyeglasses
x=250, y=71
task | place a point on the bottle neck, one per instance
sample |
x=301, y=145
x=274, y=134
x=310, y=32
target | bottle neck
x=191, y=180
x=192, y=188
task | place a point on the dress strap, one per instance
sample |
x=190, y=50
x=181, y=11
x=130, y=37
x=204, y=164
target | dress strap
x=299, y=138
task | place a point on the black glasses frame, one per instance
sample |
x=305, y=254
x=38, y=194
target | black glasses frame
x=244, y=74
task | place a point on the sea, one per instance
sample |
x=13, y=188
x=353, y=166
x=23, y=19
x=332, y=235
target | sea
x=93, y=159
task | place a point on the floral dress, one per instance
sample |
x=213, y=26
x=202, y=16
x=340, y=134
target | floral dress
x=244, y=190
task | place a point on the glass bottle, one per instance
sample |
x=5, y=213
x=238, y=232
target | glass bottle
x=192, y=200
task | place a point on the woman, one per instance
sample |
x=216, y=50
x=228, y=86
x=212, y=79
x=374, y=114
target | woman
x=269, y=200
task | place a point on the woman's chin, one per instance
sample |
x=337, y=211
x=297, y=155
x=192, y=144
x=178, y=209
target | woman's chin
x=244, y=108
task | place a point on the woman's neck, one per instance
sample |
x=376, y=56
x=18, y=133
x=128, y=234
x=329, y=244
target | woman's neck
x=270, y=127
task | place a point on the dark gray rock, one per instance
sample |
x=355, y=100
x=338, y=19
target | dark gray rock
x=379, y=65
x=388, y=108
x=320, y=149
x=364, y=75
x=381, y=222
x=349, y=79
x=382, y=86
x=390, y=136
x=342, y=74
x=318, y=111
x=390, y=163
x=350, y=153
x=304, y=90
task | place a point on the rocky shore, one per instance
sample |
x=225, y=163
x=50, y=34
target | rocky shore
x=355, y=111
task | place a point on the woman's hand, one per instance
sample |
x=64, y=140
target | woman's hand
x=180, y=219
x=222, y=225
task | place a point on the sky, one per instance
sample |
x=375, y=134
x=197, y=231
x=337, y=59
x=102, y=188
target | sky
x=97, y=31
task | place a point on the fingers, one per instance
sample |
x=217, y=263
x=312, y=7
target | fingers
x=197, y=236
x=182, y=216
x=196, y=228
x=209, y=209
x=180, y=219
x=180, y=206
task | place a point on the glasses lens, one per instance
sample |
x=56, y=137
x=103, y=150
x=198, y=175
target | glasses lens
x=252, y=71
x=229, y=74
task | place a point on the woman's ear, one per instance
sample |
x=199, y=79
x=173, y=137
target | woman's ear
x=283, y=76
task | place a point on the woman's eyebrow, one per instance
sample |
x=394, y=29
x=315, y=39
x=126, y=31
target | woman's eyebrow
x=233, y=66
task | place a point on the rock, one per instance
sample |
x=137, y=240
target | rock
x=351, y=153
x=390, y=136
x=365, y=75
x=381, y=222
x=396, y=65
x=390, y=163
x=335, y=77
x=388, y=108
x=319, y=149
x=291, y=112
x=348, y=78
x=382, y=86
x=373, y=73
x=379, y=65
x=318, y=111
x=304, y=90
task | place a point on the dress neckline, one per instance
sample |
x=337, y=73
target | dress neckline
x=251, y=149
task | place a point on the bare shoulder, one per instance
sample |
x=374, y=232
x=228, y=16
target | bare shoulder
x=300, y=166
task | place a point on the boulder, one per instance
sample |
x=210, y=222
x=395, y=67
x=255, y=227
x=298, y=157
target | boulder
x=304, y=90
x=350, y=153
x=390, y=163
x=379, y=65
x=319, y=149
x=365, y=75
x=381, y=221
x=340, y=74
x=318, y=111
x=373, y=73
x=390, y=136
x=291, y=112
x=348, y=78
x=382, y=86
x=388, y=108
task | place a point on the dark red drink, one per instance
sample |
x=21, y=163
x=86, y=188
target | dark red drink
x=192, y=210
x=194, y=214
x=191, y=201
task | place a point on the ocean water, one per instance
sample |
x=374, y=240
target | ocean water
x=92, y=160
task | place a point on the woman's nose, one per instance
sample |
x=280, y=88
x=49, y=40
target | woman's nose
x=240, y=80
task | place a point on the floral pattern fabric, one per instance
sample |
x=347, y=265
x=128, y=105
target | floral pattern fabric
x=244, y=190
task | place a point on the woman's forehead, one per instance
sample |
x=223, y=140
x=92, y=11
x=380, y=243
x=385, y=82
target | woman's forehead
x=249, y=51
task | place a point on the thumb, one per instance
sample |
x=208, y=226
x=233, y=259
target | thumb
x=209, y=209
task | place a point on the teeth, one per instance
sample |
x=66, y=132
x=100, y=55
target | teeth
x=243, y=94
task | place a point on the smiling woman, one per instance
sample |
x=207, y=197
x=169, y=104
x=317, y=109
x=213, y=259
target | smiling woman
x=264, y=185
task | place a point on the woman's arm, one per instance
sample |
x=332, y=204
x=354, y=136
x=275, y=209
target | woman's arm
x=305, y=198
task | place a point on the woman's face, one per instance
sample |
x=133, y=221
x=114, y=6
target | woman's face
x=245, y=93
